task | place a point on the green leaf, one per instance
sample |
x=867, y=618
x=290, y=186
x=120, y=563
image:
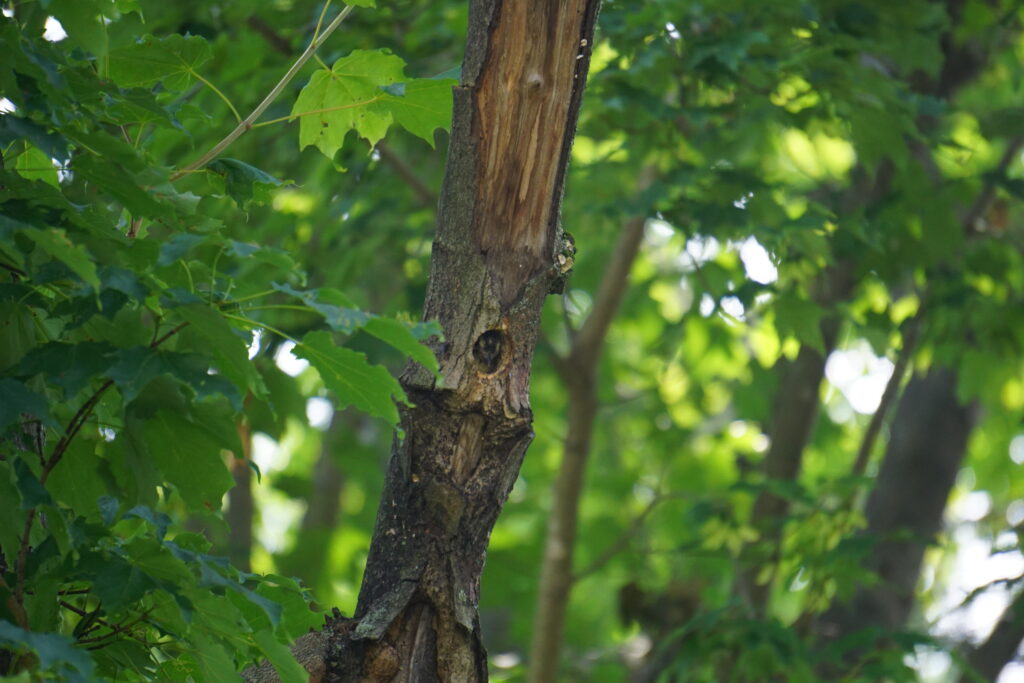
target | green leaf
x=17, y=333
x=119, y=584
x=352, y=380
x=55, y=242
x=275, y=257
x=14, y=128
x=801, y=318
x=289, y=670
x=172, y=59
x=34, y=164
x=16, y=400
x=32, y=491
x=56, y=652
x=179, y=245
x=229, y=349
x=1007, y=122
x=400, y=336
x=334, y=306
x=214, y=661
x=83, y=20
x=190, y=457
x=337, y=101
x=425, y=106
x=78, y=480
x=138, y=366
x=68, y=366
x=121, y=185
x=244, y=183
x=297, y=617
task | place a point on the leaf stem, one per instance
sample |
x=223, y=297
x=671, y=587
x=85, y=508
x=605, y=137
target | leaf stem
x=352, y=105
x=250, y=297
x=218, y=93
x=248, y=122
x=279, y=307
x=268, y=328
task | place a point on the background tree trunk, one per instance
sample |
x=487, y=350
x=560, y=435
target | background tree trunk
x=905, y=508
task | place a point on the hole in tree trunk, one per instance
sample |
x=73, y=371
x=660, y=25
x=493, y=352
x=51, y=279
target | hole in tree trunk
x=488, y=350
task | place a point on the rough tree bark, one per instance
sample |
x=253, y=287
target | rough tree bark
x=496, y=255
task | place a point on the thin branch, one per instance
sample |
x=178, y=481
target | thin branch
x=273, y=38
x=987, y=660
x=248, y=122
x=13, y=269
x=424, y=195
x=579, y=376
x=74, y=426
x=619, y=544
x=115, y=629
x=17, y=604
x=173, y=331
x=888, y=396
x=591, y=334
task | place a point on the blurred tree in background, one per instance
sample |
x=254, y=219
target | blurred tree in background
x=779, y=407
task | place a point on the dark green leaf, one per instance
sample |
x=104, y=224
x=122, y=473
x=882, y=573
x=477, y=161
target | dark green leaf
x=172, y=59
x=18, y=403
x=190, y=457
x=244, y=183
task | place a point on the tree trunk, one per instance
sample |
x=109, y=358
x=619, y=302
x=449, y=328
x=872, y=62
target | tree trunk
x=578, y=371
x=308, y=559
x=989, y=658
x=905, y=508
x=495, y=258
x=794, y=414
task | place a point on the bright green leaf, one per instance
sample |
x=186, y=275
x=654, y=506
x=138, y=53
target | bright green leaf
x=281, y=657
x=425, y=106
x=400, y=336
x=337, y=101
x=352, y=380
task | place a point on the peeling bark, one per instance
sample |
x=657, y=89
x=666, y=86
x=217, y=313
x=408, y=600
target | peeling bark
x=493, y=264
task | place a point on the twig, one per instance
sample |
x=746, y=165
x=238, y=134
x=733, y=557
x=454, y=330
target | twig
x=275, y=39
x=116, y=628
x=424, y=195
x=13, y=269
x=74, y=426
x=888, y=396
x=249, y=120
x=624, y=538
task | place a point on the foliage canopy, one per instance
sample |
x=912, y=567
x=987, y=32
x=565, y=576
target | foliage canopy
x=832, y=177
